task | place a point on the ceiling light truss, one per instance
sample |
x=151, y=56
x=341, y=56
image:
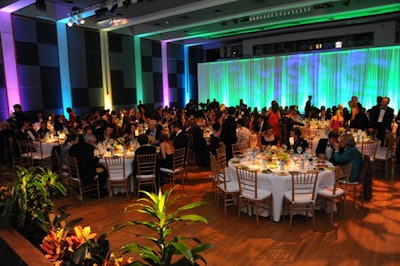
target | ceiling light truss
x=75, y=19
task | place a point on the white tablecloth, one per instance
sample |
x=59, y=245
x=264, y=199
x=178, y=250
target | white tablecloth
x=278, y=184
x=47, y=147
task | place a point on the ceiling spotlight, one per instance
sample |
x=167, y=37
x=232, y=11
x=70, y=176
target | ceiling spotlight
x=75, y=19
x=41, y=5
x=114, y=7
x=126, y=3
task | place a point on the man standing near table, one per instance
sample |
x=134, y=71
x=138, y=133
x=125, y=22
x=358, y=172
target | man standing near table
x=381, y=119
x=228, y=132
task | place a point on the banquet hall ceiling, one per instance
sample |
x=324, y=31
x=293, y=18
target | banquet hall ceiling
x=196, y=21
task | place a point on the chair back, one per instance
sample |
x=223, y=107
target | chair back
x=342, y=173
x=23, y=146
x=303, y=186
x=146, y=164
x=218, y=169
x=221, y=156
x=179, y=159
x=115, y=167
x=73, y=168
x=369, y=148
x=238, y=149
x=247, y=182
x=190, y=141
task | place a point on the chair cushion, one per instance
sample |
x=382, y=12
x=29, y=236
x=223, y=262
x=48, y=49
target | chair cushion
x=328, y=191
x=232, y=186
x=261, y=194
x=167, y=170
x=299, y=198
x=145, y=176
x=381, y=154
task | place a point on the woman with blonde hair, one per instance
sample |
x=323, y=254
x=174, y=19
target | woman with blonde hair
x=337, y=120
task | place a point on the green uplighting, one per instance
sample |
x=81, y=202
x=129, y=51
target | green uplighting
x=331, y=77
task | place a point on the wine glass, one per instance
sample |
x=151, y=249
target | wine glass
x=284, y=147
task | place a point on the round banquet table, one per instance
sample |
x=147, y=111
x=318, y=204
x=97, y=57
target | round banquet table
x=278, y=181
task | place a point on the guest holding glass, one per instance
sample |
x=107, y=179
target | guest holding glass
x=350, y=155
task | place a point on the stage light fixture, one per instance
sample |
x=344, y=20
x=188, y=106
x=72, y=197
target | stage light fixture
x=75, y=19
x=41, y=5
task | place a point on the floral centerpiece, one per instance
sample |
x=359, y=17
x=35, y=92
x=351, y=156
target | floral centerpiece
x=119, y=143
x=341, y=131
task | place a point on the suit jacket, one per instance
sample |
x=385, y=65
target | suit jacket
x=87, y=162
x=228, y=131
x=199, y=143
x=387, y=118
x=180, y=141
x=262, y=125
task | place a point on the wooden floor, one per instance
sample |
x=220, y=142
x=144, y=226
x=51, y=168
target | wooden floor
x=367, y=235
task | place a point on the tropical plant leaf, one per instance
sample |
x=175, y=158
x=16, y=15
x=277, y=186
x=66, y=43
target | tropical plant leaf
x=192, y=217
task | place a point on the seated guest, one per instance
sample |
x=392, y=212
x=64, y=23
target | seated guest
x=298, y=140
x=261, y=125
x=72, y=139
x=289, y=122
x=107, y=136
x=25, y=133
x=88, y=164
x=154, y=131
x=325, y=147
x=179, y=137
x=129, y=134
x=214, y=141
x=243, y=133
x=144, y=148
x=269, y=138
x=166, y=151
x=350, y=155
x=337, y=120
x=43, y=130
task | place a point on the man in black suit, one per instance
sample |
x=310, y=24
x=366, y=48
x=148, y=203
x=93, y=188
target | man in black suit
x=381, y=119
x=179, y=137
x=88, y=164
x=261, y=124
x=199, y=143
x=325, y=148
x=228, y=132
